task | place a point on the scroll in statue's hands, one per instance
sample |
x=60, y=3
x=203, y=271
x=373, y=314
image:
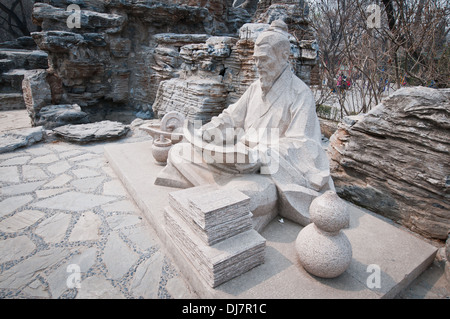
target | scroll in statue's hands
x=216, y=133
x=211, y=133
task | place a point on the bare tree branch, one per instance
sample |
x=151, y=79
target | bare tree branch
x=12, y=16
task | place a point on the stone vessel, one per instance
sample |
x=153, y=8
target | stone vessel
x=160, y=150
x=323, y=249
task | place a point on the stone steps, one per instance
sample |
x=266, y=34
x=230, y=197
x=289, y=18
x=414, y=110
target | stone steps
x=25, y=59
x=6, y=65
x=11, y=81
x=11, y=101
x=13, y=65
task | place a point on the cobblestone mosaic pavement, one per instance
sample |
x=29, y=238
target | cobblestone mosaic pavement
x=64, y=215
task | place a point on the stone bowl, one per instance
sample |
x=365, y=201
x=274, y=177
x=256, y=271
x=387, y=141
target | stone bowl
x=155, y=131
x=222, y=154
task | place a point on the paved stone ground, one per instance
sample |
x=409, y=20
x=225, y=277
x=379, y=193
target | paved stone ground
x=62, y=207
x=61, y=204
x=14, y=119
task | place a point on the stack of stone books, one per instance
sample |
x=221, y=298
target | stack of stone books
x=213, y=215
x=213, y=229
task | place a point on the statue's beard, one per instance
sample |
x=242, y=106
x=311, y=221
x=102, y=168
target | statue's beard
x=266, y=80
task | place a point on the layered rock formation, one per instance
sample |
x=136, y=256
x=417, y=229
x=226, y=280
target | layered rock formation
x=217, y=72
x=395, y=160
x=123, y=49
x=110, y=62
x=200, y=92
x=14, y=63
x=166, y=56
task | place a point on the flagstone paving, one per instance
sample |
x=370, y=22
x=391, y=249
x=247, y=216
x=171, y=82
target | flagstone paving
x=63, y=210
x=64, y=213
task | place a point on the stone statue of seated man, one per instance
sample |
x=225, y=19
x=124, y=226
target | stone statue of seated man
x=275, y=123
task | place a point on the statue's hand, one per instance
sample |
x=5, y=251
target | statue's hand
x=207, y=136
x=212, y=133
x=250, y=139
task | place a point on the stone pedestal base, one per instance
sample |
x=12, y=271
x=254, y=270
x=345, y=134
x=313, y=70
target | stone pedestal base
x=400, y=256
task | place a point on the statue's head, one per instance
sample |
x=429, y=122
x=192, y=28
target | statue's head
x=271, y=52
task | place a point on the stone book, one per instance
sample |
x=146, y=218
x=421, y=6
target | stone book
x=218, y=207
x=221, y=262
x=236, y=218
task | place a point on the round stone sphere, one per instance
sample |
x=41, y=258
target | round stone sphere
x=323, y=254
x=329, y=212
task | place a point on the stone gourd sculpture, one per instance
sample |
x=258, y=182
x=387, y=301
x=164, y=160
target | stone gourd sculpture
x=323, y=249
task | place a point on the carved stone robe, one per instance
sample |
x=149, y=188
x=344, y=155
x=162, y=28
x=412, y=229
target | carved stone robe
x=302, y=169
x=288, y=106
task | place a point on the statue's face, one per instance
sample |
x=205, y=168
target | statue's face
x=270, y=62
x=267, y=61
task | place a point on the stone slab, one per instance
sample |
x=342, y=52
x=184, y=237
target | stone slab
x=399, y=255
x=98, y=131
x=14, y=139
x=11, y=101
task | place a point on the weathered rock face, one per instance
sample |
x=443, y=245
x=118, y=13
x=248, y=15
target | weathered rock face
x=110, y=62
x=52, y=116
x=214, y=74
x=36, y=92
x=125, y=48
x=90, y=132
x=395, y=160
